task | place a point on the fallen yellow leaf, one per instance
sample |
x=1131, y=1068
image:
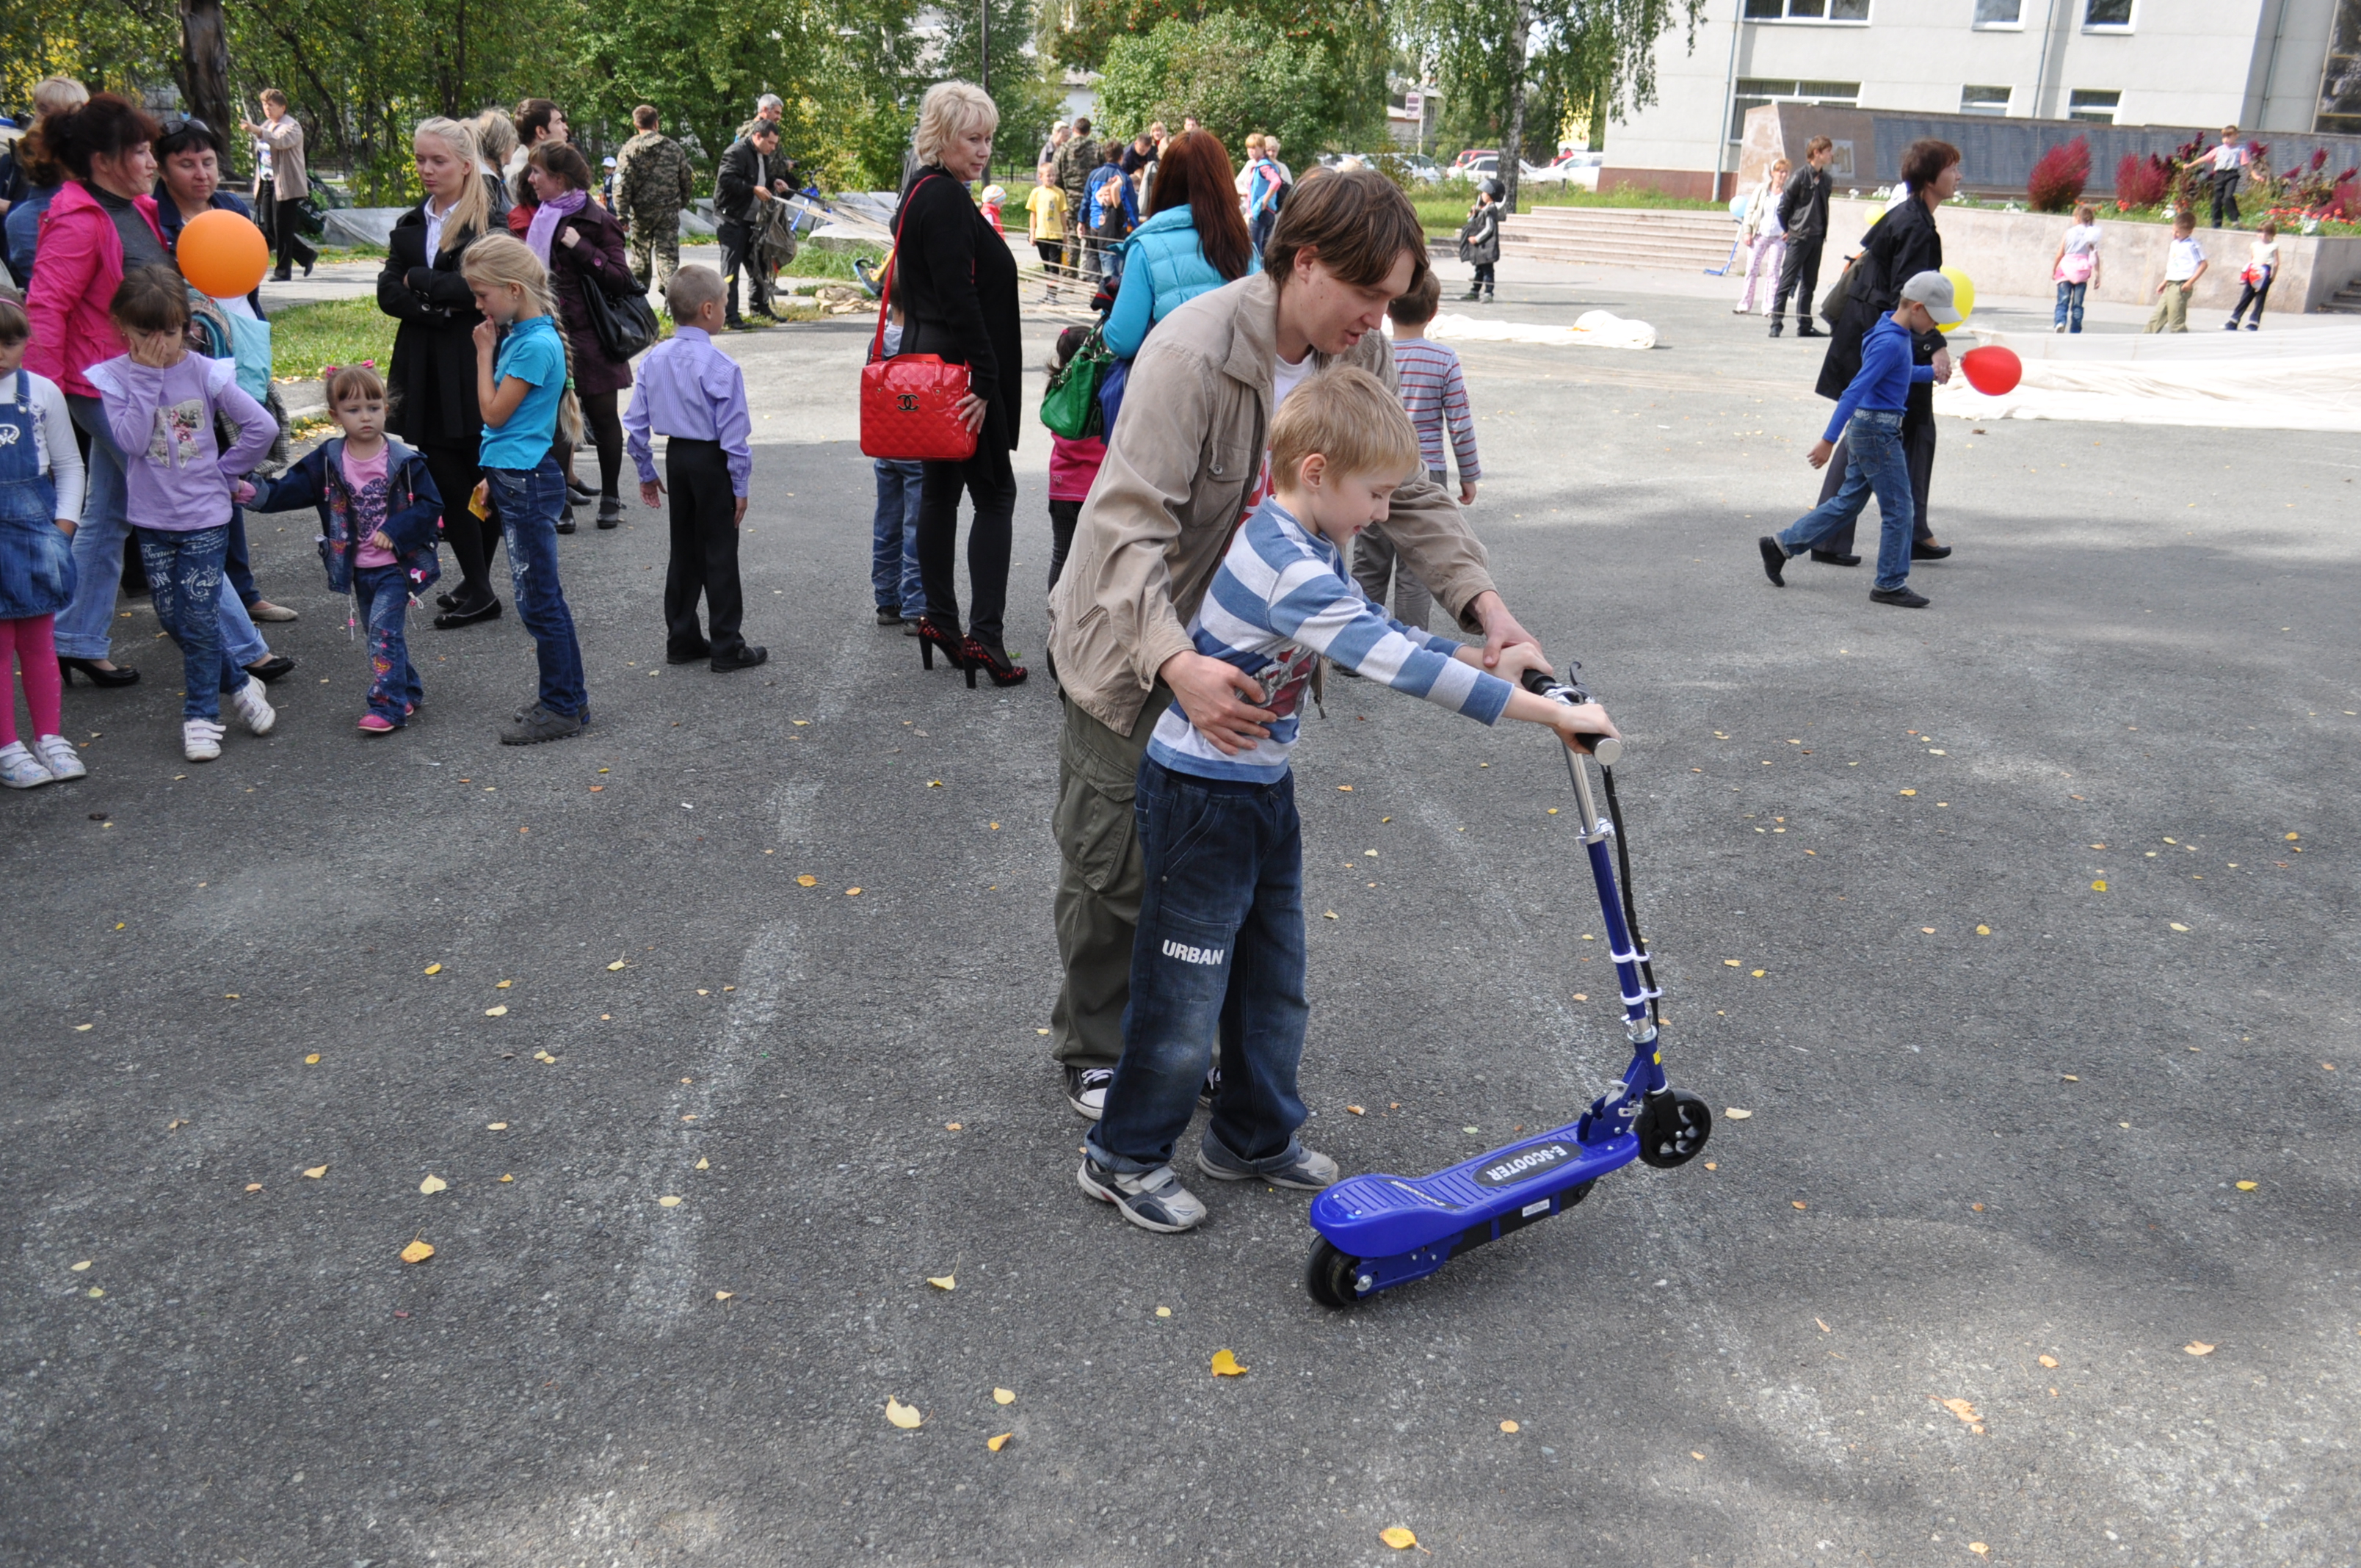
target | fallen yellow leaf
x=85, y=1028
x=723, y=1295
x=2099, y=885
x=96, y=1292
x=1926, y=930
x=1731, y=963
x=503, y=986
x=507, y=1178
x=2198, y=1347
x=1328, y=915
x=1824, y=1327
x=316, y=1172
x=669, y=1201
x=1004, y=1396
x=943, y=1281
x=1795, y=1202
x=996, y=1444
x=433, y=968
x=254, y=1187
x=952, y=1126
x=852, y=893
x=907, y=1417
x=1983, y=930
x=1760, y=973
x=433, y=1184
x=616, y=965
x=1163, y=1311
x=496, y=1126
x=2175, y=926
x=1980, y=1548
x=1735, y=1113
x=2248, y=1186
x=417, y=1252
x=1909, y=792
x=1961, y=1408
x=78, y=1268
x=701, y=1162
x=1509, y=1426
x=1694, y=1454
x=544, y=1056
x=312, y=1061
x=2048, y=1360
x=496, y=1012
x=1226, y=1364
x=1399, y=1539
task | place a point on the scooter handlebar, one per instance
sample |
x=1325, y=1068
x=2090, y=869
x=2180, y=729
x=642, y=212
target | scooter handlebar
x=1607, y=749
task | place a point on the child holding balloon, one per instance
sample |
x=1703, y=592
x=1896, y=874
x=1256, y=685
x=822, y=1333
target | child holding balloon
x=523, y=374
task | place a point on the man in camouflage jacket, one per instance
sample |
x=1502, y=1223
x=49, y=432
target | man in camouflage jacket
x=652, y=182
x=1077, y=160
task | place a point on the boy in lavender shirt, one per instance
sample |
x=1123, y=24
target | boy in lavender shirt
x=695, y=395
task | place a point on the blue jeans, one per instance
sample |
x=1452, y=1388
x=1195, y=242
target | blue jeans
x=184, y=574
x=1876, y=463
x=382, y=596
x=85, y=628
x=1220, y=948
x=893, y=543
x=527, y=502
x=2070, y=306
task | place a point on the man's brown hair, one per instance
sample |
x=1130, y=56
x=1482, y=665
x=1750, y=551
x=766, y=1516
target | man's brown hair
x=1817, y=143
x=1418, y=307
x=272, y=95
x=644, y=116
x=1346, y=415
x=1354, y=220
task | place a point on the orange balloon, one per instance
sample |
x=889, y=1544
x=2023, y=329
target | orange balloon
x=222, y=254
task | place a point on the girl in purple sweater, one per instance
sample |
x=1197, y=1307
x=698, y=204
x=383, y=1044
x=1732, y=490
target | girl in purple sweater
x=161, y=405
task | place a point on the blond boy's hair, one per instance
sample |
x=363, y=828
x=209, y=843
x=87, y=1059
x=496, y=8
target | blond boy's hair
x=690, y=290
x=1346, y=416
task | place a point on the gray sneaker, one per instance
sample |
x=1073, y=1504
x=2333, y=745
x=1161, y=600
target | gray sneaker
x=1305, y=1169
x=537, y=724
x=1154, y=1201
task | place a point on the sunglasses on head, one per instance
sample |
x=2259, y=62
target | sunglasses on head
x=176, y=124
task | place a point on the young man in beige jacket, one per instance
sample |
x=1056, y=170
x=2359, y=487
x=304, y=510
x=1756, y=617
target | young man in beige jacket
x=1191, y=461
x=278, y=192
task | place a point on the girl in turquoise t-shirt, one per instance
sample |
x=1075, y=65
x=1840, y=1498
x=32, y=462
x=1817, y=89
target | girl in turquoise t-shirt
x=523, y=367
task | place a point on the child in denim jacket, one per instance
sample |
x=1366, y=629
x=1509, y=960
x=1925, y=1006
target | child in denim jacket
x=381, y=523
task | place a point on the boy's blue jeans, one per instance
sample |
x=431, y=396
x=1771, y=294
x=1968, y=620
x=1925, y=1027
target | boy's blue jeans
x=382, y=594
x=894, y=542
x=1220, y=948
x=1876, y=463
x=526, y=501
x=2070, y=304
x=184, y=575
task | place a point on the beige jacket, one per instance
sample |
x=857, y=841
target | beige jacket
x=286, y=139
x=1174, y=486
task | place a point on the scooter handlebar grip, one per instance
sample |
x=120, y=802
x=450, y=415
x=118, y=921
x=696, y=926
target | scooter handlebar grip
x=1607, y=749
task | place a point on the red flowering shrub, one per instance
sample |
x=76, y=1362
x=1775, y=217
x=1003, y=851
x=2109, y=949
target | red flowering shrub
x=2059, y=176
x=2141, y=182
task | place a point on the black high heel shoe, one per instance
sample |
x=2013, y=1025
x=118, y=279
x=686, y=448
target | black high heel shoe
x=118, y=676
x=932, y=637
x=993, y=661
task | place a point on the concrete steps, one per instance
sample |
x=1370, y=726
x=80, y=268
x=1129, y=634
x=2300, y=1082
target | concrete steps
x=2345, y=301
x=1619, y=237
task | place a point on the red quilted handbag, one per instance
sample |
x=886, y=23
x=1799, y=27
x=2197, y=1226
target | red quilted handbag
x=909, y=403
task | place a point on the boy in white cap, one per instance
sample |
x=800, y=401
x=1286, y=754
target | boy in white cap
x=1868, y=416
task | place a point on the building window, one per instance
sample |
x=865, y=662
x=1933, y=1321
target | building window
x=2340, y=76
x=1983, y=99
x=1753, y=92
x=2000, y=13
x=2096, y=107
x=2106, y=12
x=1807, y=10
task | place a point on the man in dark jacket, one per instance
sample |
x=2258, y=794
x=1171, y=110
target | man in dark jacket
x=1804, y=214
x=743, y=189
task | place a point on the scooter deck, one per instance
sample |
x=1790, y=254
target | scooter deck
x=1378, y=1216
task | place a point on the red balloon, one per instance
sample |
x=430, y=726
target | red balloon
x=222, y=254
x=1993, y=369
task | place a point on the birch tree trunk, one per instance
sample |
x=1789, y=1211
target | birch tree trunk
x=1512, y=146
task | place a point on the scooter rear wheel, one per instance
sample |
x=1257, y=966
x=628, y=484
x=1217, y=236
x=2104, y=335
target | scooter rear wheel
x=1329, y=1277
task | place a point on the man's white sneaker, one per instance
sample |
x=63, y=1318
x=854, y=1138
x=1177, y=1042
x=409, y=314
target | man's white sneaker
x=254, y=709
x=200, y=739
x=58, y=755
x=19, y=770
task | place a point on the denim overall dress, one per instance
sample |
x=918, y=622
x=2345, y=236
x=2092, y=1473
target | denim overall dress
x=37, y=567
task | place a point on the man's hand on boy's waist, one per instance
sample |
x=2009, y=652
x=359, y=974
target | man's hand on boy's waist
x=1208, y=690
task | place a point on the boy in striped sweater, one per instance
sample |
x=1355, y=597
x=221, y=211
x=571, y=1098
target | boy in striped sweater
x=1436, y=396
x=1220, y=944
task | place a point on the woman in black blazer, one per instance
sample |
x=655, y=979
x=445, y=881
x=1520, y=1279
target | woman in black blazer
x=956, y=282
x=432, y=376
x=1900, y=246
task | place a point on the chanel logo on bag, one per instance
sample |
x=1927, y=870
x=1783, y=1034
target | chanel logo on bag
x=907, y=402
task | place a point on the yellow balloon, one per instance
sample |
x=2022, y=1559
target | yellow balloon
x=1963, y=298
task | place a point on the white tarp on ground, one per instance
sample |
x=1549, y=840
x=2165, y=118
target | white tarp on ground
x=1599, y=329
x=2300, y=379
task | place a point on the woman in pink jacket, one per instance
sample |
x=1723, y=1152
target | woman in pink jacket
x=101, y=223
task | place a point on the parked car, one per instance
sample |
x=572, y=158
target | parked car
x=1466, y=161
x=1578, y=169
x=1422, y=169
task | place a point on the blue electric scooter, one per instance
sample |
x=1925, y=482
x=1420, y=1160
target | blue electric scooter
x=1379, y=1231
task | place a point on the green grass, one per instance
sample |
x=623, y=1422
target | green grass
x=1442, y=208
x=337, y=332
x=811, y=261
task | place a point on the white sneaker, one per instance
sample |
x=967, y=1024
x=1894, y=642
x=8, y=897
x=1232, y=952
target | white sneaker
x=19, y=769
x=200, y=739
x=58, y=755
x=254, y=709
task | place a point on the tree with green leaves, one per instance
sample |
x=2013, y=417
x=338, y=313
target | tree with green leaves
x=1022, y=82
x=1508, y=66
x=1328, y=64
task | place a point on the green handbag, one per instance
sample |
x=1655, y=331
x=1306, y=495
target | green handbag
x=1071, y=405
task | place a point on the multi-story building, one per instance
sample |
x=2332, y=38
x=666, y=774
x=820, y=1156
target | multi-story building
x=2264, y=65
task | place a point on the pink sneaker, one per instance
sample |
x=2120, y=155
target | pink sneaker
x=377, y=724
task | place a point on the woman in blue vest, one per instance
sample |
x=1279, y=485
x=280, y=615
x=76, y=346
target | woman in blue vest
x=1194, y=240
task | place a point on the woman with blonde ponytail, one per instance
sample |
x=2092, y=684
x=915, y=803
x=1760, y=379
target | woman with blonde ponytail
x=522, y=367
x=431, y=379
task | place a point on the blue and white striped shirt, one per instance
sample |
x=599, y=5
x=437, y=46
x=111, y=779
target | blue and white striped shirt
x=1280, y=600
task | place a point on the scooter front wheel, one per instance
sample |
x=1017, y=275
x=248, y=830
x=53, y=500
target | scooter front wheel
x=1331, y=1276
x=1673, y=1130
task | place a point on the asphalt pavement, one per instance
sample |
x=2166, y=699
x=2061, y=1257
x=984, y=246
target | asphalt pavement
x=2023, y=926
